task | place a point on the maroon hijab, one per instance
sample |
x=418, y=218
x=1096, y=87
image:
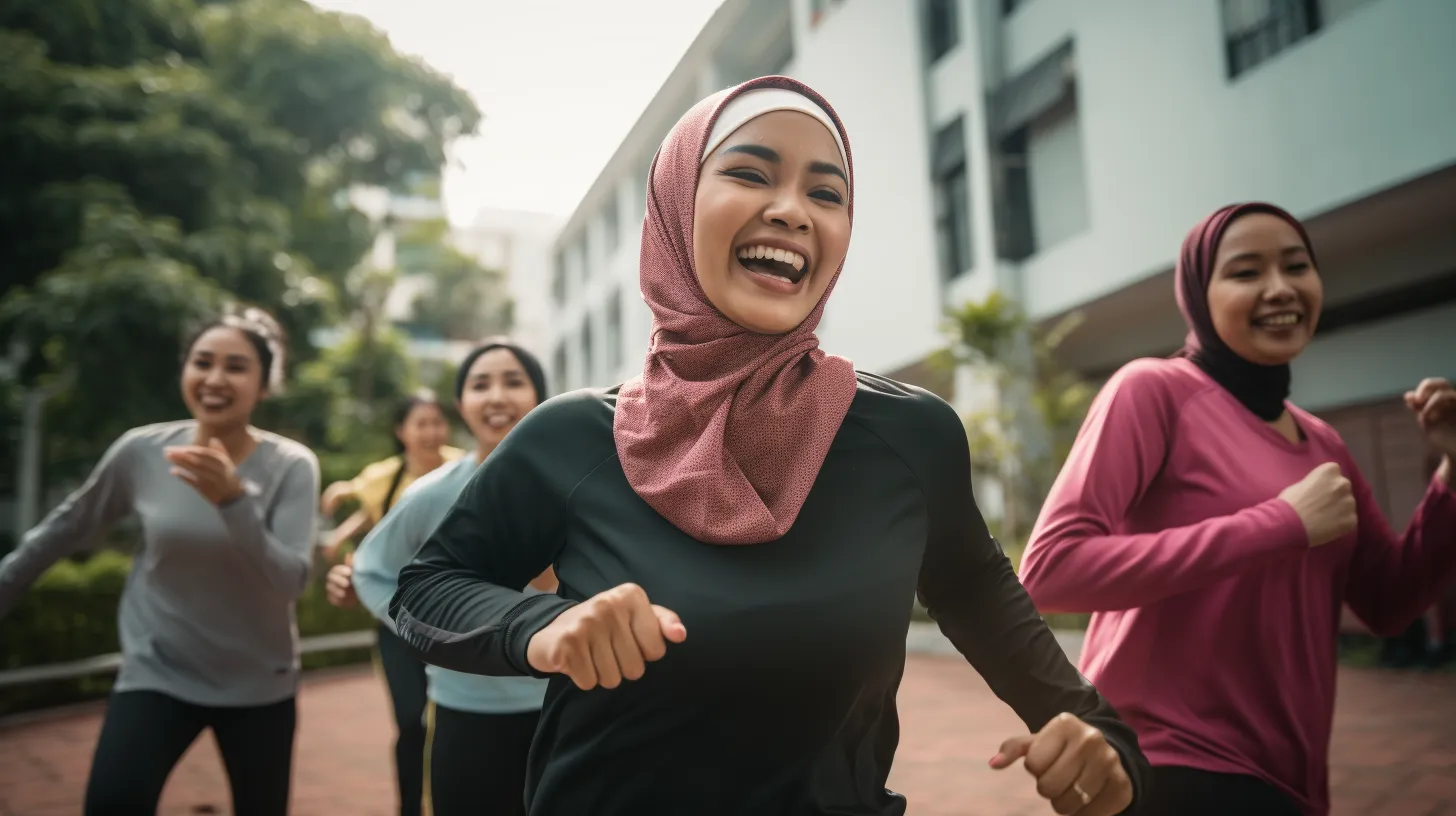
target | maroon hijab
x=1261, y=388
x=724, y=432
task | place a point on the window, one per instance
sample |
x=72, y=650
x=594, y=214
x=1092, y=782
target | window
x=611, y=227
x=558, y=365
x=817, y=9
x=952, y=200
x=1256, y=30
x=558, y=279
x=1015, y=227
x=614, y=333
x=588, y=363
x=942, y=32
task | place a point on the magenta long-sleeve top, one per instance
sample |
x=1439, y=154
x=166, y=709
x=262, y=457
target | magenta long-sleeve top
x=1214, y=626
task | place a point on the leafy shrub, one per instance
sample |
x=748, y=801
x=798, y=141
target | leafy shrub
x=70, y=614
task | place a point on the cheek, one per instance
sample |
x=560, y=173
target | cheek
x=1229, y=306
x=470, y=406
x=834, y=242
x=717, y=217
x=246, y=387
x=524, y=400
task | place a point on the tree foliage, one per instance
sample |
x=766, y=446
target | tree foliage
x=1014, y=355
x=167, y=155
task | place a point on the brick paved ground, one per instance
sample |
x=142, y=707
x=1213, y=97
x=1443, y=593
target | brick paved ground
x=1394, y=751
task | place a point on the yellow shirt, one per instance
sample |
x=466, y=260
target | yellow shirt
x=371, y=486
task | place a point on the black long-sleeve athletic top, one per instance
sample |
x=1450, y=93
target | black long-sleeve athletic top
x=782, y=698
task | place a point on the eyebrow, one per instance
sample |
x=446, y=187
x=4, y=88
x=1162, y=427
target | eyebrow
x=1254, y=256
x=232, y=358
x=768, y=154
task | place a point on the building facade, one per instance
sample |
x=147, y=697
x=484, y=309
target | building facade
x=1058, y=151
x=518, y=243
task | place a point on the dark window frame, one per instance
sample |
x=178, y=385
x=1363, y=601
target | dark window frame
x=940, y=28
x=951, y=188
x=1287, y=23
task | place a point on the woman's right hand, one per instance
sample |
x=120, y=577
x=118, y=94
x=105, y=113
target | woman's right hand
x=610, y=636
x=1325, y=503
x=339, y=586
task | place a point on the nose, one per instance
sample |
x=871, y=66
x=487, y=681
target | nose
x=788, y=212
x=215, y=376
x=1280, y=289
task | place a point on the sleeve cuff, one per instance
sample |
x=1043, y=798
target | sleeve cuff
x=530, y=616
x=1287, y=528
x=1136, y=768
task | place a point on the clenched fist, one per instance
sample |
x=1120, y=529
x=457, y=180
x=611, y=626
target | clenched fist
x=610, y=636
x=1076, y=770
x=1324, y=502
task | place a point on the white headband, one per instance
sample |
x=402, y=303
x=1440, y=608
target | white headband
x=750, y=105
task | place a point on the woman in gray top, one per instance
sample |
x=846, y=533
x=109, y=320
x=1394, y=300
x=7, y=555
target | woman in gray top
x=207, y=618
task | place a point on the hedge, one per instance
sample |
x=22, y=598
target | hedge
x=70, y=614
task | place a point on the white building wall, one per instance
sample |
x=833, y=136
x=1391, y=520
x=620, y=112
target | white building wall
x=1159, y=135
x=885, y=311
x=520, y=244
x=1362, y=104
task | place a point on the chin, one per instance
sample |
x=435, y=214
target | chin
x=776, y=318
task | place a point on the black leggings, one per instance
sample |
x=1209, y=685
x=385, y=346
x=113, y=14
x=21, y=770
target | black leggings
x=1178, y=791
x=145, y=733
x=405, y=676
x=478, y=762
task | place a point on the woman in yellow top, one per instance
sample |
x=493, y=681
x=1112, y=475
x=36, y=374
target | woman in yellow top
x=420, y=433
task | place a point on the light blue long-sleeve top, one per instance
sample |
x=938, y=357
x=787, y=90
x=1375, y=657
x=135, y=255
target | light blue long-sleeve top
x=390, y=546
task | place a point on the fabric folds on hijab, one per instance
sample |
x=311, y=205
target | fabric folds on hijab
x=725, y=431
x=1260, y=388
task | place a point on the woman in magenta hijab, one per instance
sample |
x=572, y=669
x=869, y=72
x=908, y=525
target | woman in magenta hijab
x=1215, y=530
x=738, y=532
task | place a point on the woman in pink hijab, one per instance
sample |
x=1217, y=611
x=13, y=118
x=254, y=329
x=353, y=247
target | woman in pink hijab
x=738, y=531
x=1215, y=530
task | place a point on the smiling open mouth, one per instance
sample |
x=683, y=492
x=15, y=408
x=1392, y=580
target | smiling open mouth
x=1280, y=320
x=779, y=263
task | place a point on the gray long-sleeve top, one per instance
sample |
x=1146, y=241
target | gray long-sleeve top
x=207, y=615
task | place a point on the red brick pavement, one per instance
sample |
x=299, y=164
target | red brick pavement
x=1394, y=750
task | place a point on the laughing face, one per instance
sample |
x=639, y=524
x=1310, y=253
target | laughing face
x=1265, y=294
x=771, y=221
x=497, y=394
x=222, y=378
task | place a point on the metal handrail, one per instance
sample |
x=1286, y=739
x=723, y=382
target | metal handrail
x=110, y=662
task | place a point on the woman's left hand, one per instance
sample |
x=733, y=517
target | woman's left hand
x=209, y=470
x=1075, y=768
x=1434, y=404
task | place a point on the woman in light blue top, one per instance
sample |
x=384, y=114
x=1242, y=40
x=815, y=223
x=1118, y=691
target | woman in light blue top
x=206, y=623
x=483, y=725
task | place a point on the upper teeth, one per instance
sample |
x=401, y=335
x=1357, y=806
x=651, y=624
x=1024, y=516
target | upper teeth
x=1280, y=320
x=497, y=420
x=212, y=400
x=787, y=256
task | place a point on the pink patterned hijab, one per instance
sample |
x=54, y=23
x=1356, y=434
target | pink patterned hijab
x=724, y=432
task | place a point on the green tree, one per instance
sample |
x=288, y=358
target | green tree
x=167, y=155
x=987, y=336
x=463, y=300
